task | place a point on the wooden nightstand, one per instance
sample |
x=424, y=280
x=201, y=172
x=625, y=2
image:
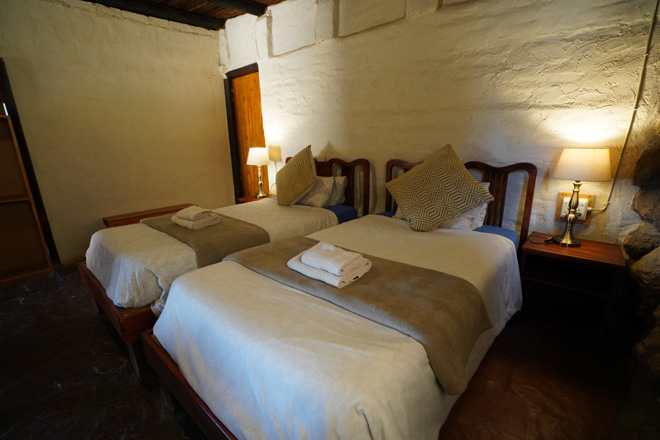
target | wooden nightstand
x=135, y=217
x=254, y=199
x=580, y=282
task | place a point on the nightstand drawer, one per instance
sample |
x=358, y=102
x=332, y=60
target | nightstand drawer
x=571, y=285
x=579, y=277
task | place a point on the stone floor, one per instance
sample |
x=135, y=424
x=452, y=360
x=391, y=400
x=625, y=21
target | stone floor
x=65, y=375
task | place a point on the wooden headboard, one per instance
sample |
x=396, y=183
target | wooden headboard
x=498, y=178
x=350, y=170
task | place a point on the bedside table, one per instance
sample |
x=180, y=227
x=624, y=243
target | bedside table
x=135, y=217
x=588, y=276
x=247, y=199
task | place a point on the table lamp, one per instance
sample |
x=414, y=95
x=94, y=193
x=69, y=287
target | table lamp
x=275, y=153
x=258, y=157
x=578, y=164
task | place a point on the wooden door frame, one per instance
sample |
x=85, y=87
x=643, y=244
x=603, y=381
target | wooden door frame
x=231, y=125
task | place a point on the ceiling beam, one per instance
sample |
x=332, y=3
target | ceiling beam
x=159, y=11
x=249, y=6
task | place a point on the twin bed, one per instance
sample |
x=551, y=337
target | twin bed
x=251, y=351
x=129, y=269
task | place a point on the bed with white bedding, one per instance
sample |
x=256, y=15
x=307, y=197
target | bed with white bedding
x=137, y=263
x=129, y=269
x=249, y=357
x=295, y=366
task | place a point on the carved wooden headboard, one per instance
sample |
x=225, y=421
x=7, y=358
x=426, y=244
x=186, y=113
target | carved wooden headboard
x=498, y=178
x=351, y=171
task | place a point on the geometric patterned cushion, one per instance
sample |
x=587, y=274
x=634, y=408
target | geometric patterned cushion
x=436, y=191
x=296, y=177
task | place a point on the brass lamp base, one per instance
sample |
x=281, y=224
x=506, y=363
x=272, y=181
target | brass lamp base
x=566, y=238
x=261, y=194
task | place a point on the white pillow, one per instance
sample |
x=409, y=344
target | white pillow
x=319, y=193
x=472, y=219
x=339, y=188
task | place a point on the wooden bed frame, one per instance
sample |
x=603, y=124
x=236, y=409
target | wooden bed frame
x=498, y=178
x=131, y=322
x=177, y=392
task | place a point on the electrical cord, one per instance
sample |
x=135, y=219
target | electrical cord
x=544, y=240
x=640, y=87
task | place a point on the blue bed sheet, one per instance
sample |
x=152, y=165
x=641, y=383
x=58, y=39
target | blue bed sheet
x=344, y=213
x=506, y=233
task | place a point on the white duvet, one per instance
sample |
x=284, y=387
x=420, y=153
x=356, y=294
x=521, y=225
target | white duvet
x=273, y=362
x=137, y=264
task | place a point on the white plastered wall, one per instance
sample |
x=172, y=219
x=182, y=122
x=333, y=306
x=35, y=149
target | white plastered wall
x=121, y=112
x=502, y=81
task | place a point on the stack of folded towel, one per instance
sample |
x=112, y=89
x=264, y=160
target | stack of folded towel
x=330, y=264
x=194, y=217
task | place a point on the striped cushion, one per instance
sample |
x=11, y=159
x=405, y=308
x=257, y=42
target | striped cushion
x=296, y=178
x=319, y=193
x=436, y=191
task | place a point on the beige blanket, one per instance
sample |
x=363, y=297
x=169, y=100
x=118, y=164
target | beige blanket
x=444, y=313
x=213, y=243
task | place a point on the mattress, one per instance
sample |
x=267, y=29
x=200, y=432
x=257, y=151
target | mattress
x=273, y=362
x=137, y=264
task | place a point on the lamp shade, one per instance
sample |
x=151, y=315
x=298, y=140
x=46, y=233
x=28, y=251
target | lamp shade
x=590, y=164
x=257, y=156
x=275, y=153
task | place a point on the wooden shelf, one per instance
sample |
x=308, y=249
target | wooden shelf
x=15, y=199
x=23, y=252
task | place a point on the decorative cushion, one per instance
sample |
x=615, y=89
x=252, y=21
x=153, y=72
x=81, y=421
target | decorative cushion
x=472, y=219
x=436, y=191
x=338, y=197
x=296, y=177
x=319, y=193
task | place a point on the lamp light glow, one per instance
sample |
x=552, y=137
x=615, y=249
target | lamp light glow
x=275, y=153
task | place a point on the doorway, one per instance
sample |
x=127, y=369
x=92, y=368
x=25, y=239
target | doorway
x=246, y=130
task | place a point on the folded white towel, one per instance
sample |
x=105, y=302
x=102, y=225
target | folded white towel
x=194, y=213
x=199, y=224
x=361, y=266
x=328, y=257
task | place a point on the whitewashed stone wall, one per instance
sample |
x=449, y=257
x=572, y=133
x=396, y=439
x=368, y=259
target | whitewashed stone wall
x=121, y=112
x=502, y=80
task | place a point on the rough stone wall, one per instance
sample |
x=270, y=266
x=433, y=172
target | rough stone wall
x=642, y=248
x=502, y=81
x=121, y=112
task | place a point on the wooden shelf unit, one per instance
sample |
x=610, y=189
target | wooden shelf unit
x=23, y=251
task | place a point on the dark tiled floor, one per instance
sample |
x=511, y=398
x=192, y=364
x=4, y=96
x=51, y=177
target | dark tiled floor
x=65, y=375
